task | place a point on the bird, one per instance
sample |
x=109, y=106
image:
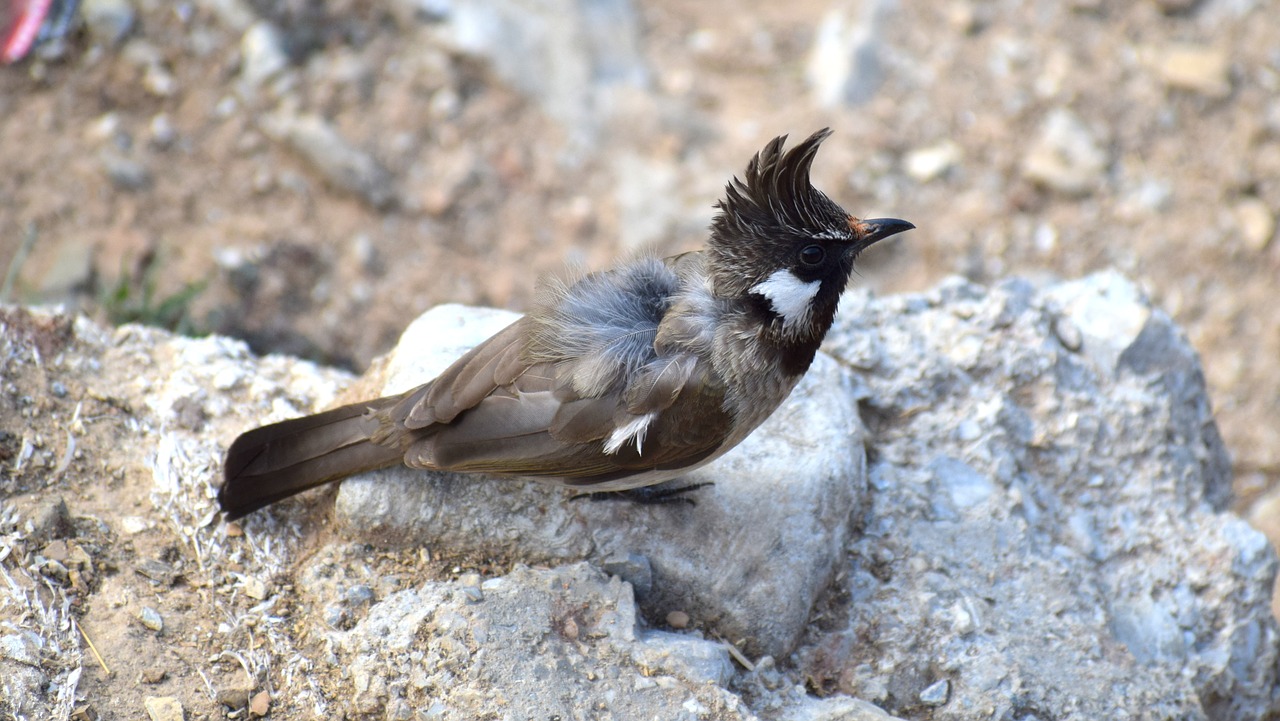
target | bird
x=615, y=380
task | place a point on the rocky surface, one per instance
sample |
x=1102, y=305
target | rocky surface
x=1043, y=529
x=747, y=561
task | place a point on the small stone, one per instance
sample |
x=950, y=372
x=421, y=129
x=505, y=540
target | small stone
x=154, y=675
x=678, y=619
x=260, y=704
x=50, y=520
x=109, y=21
x=1067, y=333
x=162, y=131
x=262, y=53
x=932, y=162
x=936, y=694
x=158, y=571
x=150, y=618
x=846, y=65
x=571, y=630
x=634, y=568
x=133, y=525
x=1066, y=157
x=255, y=588
x=71, y=271
x=163, y=708
x=1257, y=223
x=358, y=595
x=1198, y=69
x=234, y=698
x=470, y=583
x=56, y=551
x=963, y=17
x=125, y=173
x=343, y=165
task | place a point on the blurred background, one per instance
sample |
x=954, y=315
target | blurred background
x=310, y=175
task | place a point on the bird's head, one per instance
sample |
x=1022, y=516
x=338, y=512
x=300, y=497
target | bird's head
x=785, y=245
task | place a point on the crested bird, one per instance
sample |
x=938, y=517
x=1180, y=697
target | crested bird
x=618, y=380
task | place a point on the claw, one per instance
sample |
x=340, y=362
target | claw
x=649, y=495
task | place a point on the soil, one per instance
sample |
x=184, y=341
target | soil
x=140, y=180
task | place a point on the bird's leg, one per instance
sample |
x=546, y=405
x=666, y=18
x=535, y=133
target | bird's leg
x=660, y=495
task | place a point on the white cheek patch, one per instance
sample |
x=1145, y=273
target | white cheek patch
x=791, y=297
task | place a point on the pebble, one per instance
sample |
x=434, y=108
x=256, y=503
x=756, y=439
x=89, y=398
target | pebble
x=109, y=21
x=132, y=525
x=1067, y=333
x=634, y=568
x=49, y=520
x=162, y=131
x=343, y=165
x=1066, y=157
x=262, y=53
x=125, y=173
x=678, y=619
x=358, y=595
x=72, y=269
x=260, y=705
x=1257, y=223
x=150, y=618
x=158, y=571
x=1199, y=69
x=233, y=698
x=932, y=162
x=470, y=583
x=255, y=588
x=936, y=694
x=163, y=708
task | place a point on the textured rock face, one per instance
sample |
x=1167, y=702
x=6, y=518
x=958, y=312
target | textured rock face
x=1045, y=530
x=1037, y=528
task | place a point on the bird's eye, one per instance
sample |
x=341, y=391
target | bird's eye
x=812, y=255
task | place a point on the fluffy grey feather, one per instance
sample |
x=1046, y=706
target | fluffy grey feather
x=601, y=329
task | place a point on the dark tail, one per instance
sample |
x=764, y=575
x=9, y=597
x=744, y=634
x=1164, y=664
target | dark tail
x=273, y=462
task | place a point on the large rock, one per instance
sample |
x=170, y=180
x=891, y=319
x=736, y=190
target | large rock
x=1044, y=533
x=747, y=561
x=1047, y=532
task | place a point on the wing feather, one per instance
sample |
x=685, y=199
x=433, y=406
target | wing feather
x=468, y=380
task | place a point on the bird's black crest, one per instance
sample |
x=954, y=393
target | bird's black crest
x=776, y=193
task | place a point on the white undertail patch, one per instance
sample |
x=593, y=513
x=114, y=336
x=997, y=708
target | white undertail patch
x=791, y=297
x=635, y=428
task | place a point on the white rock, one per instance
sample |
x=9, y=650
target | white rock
x=1066, y=157
x=932, y=162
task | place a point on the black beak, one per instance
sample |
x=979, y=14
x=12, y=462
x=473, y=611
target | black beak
x=871, y=230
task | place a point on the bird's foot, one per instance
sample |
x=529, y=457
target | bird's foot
x=649, y=495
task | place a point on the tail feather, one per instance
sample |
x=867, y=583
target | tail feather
x=273, y=462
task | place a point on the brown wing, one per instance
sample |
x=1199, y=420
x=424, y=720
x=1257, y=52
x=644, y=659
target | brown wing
x=490, y=412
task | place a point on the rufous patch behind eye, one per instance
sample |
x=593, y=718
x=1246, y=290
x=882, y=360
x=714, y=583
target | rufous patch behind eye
x=857, y=226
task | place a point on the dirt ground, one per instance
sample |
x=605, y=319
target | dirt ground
x=139, y=179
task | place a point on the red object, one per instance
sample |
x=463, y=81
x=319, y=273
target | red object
x=25, y=19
